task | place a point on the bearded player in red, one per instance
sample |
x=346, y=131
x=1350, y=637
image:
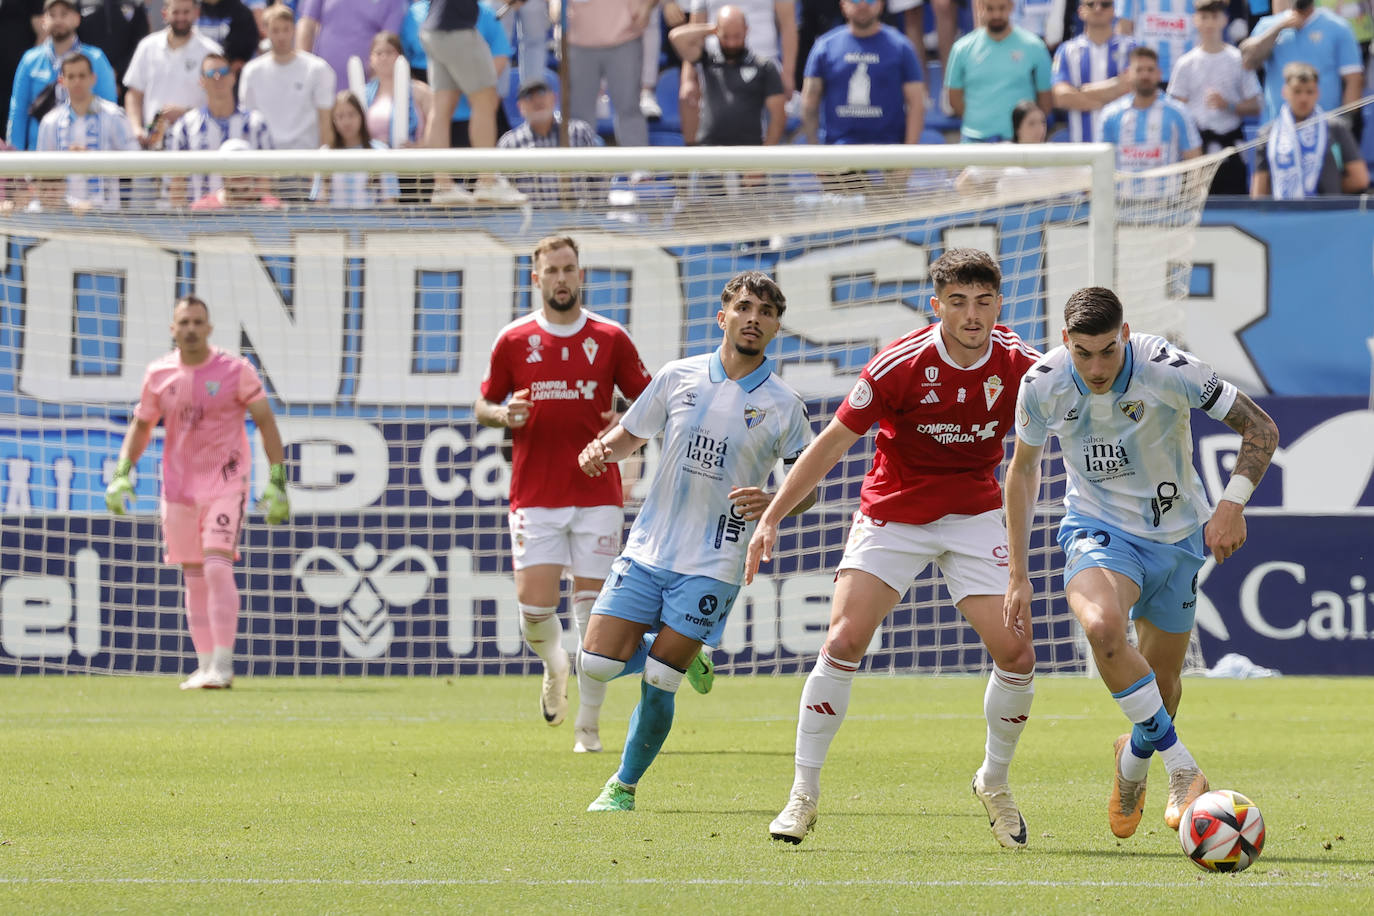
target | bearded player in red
x=943, y=398
x=559, y=367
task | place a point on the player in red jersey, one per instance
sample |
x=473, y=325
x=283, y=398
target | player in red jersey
x=943, y=398
x=200, y=393
x=560, y=367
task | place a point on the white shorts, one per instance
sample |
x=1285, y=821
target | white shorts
x=581, y=539
x=971, y=551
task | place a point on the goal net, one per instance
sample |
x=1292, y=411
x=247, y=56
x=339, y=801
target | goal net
x=370, y=313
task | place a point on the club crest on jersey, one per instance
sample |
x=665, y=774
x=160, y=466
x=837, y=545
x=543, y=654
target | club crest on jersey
x=932, y=375
x=992, y=389
x=1133, y=409
x=589, y=347
x=535, y=355
x=753, y=416
x=212, y=388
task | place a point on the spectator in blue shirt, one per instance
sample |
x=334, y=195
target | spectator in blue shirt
x=863, y=83
x=993, y=68
x=1299, y=33
x=39, y=69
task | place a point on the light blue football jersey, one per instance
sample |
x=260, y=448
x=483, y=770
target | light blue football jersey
x=718, y=434
x=1128, y=453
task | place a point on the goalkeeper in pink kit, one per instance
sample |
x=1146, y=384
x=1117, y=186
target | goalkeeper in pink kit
x=200, y=393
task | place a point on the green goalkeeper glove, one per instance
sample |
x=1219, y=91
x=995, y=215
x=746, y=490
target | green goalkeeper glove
x=274, y=496
x=120, y=488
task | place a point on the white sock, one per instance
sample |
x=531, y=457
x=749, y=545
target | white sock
x=204, y=660
x=544, y=634
x=824, y=701
x=591, y=693
x=1177, y=756
x=222, y=661
x=1006, y=705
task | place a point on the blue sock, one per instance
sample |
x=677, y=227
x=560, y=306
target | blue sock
x=635, y=664
x=1153, y=726
x=649, y=727
x=1140, y=745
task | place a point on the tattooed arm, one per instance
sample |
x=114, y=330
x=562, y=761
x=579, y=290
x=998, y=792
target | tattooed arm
x=1259, y=437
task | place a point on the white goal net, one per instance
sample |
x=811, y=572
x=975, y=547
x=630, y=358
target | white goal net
x=371, y=327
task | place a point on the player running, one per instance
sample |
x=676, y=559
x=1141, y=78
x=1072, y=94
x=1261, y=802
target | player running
x=943, y=398
x=560, y=367
x=200, y=393
x=1137, y=519
x=726, y=420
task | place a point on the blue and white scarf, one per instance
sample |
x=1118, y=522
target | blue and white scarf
x=1296, y=152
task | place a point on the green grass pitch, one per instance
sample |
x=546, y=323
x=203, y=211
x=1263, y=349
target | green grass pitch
x=446, y=795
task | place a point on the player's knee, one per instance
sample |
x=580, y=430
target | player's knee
x=845, y=642
x=1016, y=657
x=662, y=675
x=599, y=667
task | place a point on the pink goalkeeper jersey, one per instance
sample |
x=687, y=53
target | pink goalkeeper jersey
x=205, y=447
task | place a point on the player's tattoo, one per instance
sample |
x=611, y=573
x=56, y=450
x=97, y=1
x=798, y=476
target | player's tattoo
x=1259, y=437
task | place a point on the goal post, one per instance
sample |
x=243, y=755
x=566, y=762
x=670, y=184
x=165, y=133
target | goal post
x=371, y=327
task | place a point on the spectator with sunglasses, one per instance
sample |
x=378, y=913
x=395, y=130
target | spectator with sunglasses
x=1090, y=70
x=207, y=127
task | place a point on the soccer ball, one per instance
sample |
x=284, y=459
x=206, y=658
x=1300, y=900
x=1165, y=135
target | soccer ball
x=1222, y=831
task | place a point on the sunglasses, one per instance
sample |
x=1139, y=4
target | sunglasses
x=216, y=73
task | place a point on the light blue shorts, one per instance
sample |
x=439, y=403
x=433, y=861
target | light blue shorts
x=695, y=606
x=1165, y=573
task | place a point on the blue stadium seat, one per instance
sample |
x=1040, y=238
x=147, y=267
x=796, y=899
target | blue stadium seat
x=661, y=137
x=935, y=117
x=509, y=101
x=1059, y=136
x=666, y=90
x=931, y=135
x=1250, y=129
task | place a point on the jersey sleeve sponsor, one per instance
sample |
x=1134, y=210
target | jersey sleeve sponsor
x=148, y=409
x=250, y=383
x=1032, y=425
x=630, y=377
x=649, y=413
x=497, y=383
x=798, y=434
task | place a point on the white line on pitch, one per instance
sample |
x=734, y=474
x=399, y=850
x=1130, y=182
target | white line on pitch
x=587, y=882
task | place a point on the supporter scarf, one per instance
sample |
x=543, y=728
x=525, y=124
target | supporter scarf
x=1296, y=153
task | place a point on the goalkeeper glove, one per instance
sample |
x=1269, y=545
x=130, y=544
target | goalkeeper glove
x=274, y=496
x=120, y=487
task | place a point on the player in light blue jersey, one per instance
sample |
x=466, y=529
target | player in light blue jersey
x=726, y=419
x=1137, y=519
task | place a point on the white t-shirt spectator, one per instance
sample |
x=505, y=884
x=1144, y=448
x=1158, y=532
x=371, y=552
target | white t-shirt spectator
x=169, y=76
x=289, y=96
x=1197, y=71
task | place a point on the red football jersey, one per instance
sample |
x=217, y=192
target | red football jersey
x=571, y=372
x=940, y=426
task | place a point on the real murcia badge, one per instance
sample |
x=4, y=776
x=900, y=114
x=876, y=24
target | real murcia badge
x=992, y=388
x=589, y=347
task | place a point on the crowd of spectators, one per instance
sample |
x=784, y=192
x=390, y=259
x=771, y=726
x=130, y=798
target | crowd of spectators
x=1163, y=80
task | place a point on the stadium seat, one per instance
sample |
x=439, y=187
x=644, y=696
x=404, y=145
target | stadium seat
x=931, y=135
x=1059, y=136
x=660, y=137
x=935, y=116
x=1250, y=129
x=509, y=101
x=666, y=91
